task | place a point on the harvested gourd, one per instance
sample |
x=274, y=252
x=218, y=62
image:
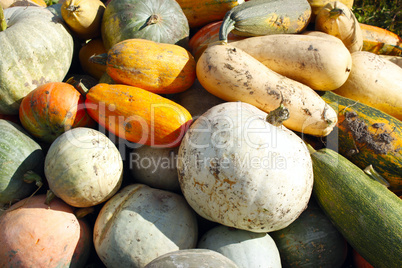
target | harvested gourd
x=233, y=75
x=380, y=41
x=376, y=82
x=263, y=17
x=366, y=213
x=336, y=19
x=318, y=62
x=156, y=67
x=237, y=169
x=367, y=136
x=201, y=12
x=316, y=5
x=84, y=17
x=30, y=60
x=161, y=21
x=137, y=115
x=21, y=160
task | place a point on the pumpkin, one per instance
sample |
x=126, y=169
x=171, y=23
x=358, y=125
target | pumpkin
x=263, y=17
x=137, y=115
x=83, y=17
x=245, y=248
x=208, y=35
x=238, y=170
x=38, y=40
x=173, y=67
x=51, y=109
x=92, y=48
x=83, y=167
x=155, y=167
x=19, y=157
x=380, y=41
x=374, y=81
x=316, y=5
x=140, y=223
x=161, y=21
x=34, y=234
x=196, y=257
x=311, y=241
x=201, y=12
x=337, y=19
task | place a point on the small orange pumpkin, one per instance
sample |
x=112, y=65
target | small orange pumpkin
x=51, y=109
x=93, y=47
x=138, y=115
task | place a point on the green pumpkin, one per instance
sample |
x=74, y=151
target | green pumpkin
x=161, y=21
x=311, y=241
x=19, y=156
x=36, y=48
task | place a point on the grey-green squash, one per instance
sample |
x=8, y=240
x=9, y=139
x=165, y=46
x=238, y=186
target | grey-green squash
x=161, y=21
x=36, y=48
x=20, y=155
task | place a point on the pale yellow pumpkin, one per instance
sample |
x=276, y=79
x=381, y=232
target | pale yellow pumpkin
x=83, y=17
x=337, y=19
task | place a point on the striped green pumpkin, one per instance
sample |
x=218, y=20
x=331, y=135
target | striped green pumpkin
x=19, y=155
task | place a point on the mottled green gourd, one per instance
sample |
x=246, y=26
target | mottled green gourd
x=263, y=17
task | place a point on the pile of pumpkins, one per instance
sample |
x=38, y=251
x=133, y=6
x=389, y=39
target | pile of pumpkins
x=177, y=133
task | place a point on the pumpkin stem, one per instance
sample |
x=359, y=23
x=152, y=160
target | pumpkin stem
x=335, y=13
x=72, y=8
x=49, y=197
x=99, y=59
x=279, y=115
x=369, y=170
x=79, y=86
x=310, y=148
x=3, y=23
x=30, y=177
x=82, y=212
x=153, y=19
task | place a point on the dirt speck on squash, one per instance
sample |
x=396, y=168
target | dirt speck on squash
x=380, y=141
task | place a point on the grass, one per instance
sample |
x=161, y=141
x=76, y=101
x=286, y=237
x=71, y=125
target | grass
x=386, y=14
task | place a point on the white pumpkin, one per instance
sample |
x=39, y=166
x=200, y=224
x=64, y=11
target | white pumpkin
x=83, y=167
x=237, y=169
x=246, y=249
x=140, y=223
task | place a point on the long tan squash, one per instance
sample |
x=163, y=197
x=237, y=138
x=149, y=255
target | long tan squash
x=233, y=75
x=376, y=82
x=318, y=62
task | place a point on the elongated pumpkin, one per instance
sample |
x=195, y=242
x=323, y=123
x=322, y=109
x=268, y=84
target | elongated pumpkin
x=138, y=115
x=262, y=17
x=202, y=12
x=318, y=62
x=374, y=81
x=233, y=75
x=365, y=136
x=156, y=67
x=337, y=19
x=367, y=214
x=380, y=41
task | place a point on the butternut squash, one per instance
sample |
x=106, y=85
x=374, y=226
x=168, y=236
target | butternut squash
x=233, y=75
x=376, y=82
x=318, y=62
